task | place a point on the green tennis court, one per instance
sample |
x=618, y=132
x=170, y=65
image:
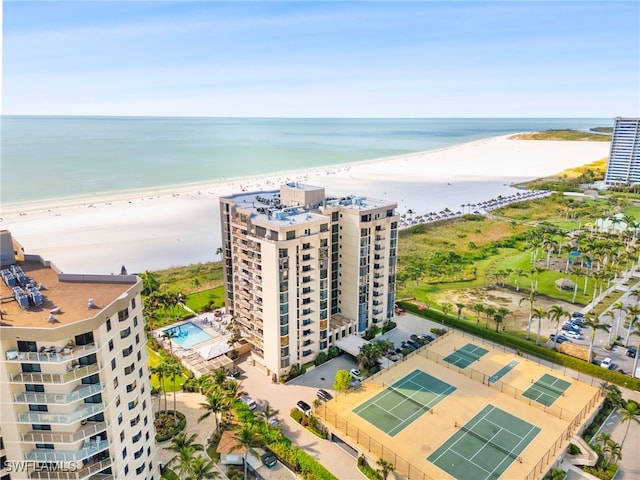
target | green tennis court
x=485, y=446
x=547, y=389
x=465, y=356
x=403, y=402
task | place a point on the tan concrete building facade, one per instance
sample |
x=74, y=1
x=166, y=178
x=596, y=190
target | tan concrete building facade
x=75, y=391
x=303, y=270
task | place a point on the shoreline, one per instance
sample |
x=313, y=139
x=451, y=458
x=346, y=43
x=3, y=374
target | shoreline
x=151, y=229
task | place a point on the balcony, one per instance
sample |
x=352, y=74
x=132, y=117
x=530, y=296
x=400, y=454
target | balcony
x=87, y=410
x=85, y=431
x=44, y=378
x=82, y=391
x=46, y=455
x=87, y=470
x=57, y=354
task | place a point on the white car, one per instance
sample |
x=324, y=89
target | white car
x=606, y=363
x=355, y=373
x=574, y=335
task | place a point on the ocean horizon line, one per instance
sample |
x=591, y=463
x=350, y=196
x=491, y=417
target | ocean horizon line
x=272, y=117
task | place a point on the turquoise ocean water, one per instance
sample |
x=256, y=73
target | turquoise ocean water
x=56, y=157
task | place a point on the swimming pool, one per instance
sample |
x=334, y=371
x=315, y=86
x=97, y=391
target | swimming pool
x=188, y=335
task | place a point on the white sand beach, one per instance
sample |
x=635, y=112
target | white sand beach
x=154, y=229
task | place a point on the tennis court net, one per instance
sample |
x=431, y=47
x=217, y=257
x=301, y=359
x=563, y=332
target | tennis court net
x=546, y=386
x=490, y=443
x=415, y=402
x=468, y=355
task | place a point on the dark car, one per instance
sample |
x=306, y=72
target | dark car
x=571, y=328
x=561, y=338
x=632, y=352
x=324, y=395
x=269, y=459
x=577, y=315
x=304, y=407
x=414, y=337
x=579, y=321
x=414, y=344
x=408, y=346
x=427, y=338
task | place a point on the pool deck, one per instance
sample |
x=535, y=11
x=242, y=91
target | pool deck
x=213, y=326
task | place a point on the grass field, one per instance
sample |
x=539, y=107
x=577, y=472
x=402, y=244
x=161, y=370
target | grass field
x=197, y=301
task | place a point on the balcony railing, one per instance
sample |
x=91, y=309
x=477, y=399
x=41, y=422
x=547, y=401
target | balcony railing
x=87, y=470
x=82, y=391
x=48, y=455
x=59, y=354
x=76, y=374
x=85, y=431
x=87, y=410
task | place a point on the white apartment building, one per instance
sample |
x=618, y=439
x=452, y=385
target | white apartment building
x=74, y=383
x=303, y=270
x=623, y=167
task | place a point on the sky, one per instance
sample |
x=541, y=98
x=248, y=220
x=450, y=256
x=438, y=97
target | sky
x=322, y=59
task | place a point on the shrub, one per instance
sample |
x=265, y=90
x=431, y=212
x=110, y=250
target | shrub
x=165, y=427
x=320, y=359
x=299, y=461
x=297, y=415
x=388, y=325
x=367, y=470
x=333, y=352
x=574, y=449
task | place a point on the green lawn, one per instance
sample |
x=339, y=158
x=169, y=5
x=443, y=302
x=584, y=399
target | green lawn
x=156, y=359
x=197, y=301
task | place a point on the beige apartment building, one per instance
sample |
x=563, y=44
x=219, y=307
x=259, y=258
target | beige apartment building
x=304, y=270
x=74, y=383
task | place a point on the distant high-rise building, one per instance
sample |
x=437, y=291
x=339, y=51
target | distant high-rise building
x=623, y=167
x=75, y=396
x=303, y=270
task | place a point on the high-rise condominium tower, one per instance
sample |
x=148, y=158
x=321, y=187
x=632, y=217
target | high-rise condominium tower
x=75, y=392
x=303, y=270
x=623, y=167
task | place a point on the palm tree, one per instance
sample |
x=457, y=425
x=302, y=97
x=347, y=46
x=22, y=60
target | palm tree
x=498, y=318
x=629, y=414
x=169, y=335
x=635, y=362
x=385, y=468
x=184, y=459
x=203, y=469
x=149, y=283
x=519, y=272
x=162, y=372
x=556, y=312
x=174, y=370
x=268, y=412
x=247, y=437
x=620, y=306
x=217, y=403
x=539, y=313
x=478, y=308
x=531, y=298
x=633, y=312
x=460, y=307
x=219, y=252
x=490, y=311
x=181, y=441
x=594, y=323
x=446, y=308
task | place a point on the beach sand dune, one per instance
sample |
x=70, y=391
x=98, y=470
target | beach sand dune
x=154, y=229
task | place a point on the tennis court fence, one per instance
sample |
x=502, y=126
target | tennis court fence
x=559, y=412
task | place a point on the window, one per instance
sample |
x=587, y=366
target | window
x=136, y=438
x=137, y=338
x=123, y=315
x=135, y=321
x=37, y=426
x=30, y=367
x=118, y=401
x=126, y=469
x=139, y=453
x=127, y=351
x=48, y=446
x=140, y=469
x=34, y=388
x=124, y=453
x=108, y=324
x=139, y=355
x=133, y=304
x=115, y=382
x=125, y=333
x=146, y=420
x=38, y=408
x=110, y=345
x=129, y=369
x=84, y=339
x=113, y=364
x=291, y=234
x=131, y=387
x=133, y=404
x=122, y=436
x=119, y=419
